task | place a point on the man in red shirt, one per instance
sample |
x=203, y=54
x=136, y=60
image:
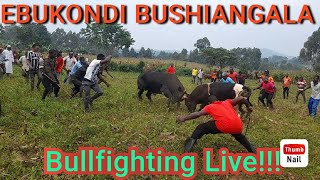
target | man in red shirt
x=224, y=120
x=59, y=64
x=268, y=92
x=233, y=75
x=171, y=70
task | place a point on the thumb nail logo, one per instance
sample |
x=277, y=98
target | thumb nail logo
x=294, y=153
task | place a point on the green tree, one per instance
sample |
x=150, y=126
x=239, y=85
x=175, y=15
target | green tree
x=142, y=52
x=148, y=53
x=110, y=37
x=194, y=55
x=202, y=44
x=219, y=57
x=58, y=39
x=125, y=52
x=249, y=58
x=133, y=53
x=29, y=34
x=184, y=54
x=311, y=50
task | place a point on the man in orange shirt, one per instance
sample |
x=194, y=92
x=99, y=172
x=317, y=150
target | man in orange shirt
x=286, y=86
x=214, y=76
x=233, y=75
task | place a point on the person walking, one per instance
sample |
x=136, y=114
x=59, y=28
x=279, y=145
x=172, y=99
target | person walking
x=24, y=67
x=50, y=79
x=69, y=61
x=301, y=86
x=286, y=86
x=315, y=97
x=200, y=76
x=194, y=75
x=59, y=65
x=9, y=60
x=33, y=60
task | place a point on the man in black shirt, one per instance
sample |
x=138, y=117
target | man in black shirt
x=50, y=79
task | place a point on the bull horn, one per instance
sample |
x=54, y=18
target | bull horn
x=185, y=95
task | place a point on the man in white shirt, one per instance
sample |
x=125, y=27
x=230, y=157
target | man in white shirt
x=90, y=80
x=24, y=67
x=315, y=97
x=69, y=62
x=9, y=60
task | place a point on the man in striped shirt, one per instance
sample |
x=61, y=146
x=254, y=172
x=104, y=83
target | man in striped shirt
x=302, y=84
x=33, y=59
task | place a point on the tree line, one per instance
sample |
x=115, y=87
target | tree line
x=115, y=39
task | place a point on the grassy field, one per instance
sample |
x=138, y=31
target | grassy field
x=119, y=120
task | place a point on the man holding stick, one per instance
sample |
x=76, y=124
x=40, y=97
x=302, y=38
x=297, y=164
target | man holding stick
x=50, y=79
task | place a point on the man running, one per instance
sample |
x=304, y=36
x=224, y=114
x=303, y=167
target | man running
x=78, y=75
x=33, y=60
x=286, y=86
x=268, y=92
x=224, y=120
x=50, y=79
x=90, y=80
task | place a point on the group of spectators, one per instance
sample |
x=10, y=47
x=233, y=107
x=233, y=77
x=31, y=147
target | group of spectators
x=82, y=74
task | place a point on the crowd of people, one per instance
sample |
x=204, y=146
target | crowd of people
x=85, y=75
x=266, y=85
x=82, y=74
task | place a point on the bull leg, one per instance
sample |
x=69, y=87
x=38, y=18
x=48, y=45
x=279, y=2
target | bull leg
x=140, y=94
x=167, y=93
x=149, y=96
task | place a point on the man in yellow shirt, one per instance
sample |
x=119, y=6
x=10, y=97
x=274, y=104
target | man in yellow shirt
x=286, y=85
x=194, y=75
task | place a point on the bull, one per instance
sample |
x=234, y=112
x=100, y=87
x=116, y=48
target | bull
x=208, y=93
x=161, y=83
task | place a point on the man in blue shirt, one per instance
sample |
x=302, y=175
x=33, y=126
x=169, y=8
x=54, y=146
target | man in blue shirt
x=77, y=66
x=226, y=79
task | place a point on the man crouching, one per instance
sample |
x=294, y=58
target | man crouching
x=224, y=120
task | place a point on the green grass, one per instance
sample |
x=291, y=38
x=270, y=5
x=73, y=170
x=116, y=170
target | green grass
x=119, y=120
